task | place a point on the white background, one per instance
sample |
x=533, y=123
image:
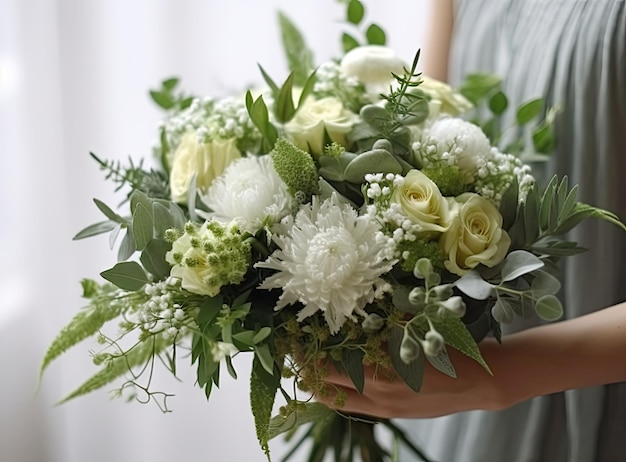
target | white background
x=74, y=77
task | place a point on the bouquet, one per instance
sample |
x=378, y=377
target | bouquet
x=357, y=214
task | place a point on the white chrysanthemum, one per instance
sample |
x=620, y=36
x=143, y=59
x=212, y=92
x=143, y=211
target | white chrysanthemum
x=331, y=261
x=251, y=193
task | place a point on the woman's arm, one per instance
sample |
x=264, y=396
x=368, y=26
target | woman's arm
x=577, y=353
x=435, y=56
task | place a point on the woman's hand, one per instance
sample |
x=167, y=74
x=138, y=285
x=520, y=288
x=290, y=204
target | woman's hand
x=577, y=353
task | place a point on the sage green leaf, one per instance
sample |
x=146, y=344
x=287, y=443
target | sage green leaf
x=544, y=138
x=529, y=110
x=309, y=85
x=559, y=249
x=518, y=263
x=262, y=334
x=270, y=82
x=127, y=276
x=549, y=308
x=257, y=110
x=127, y=247
x=153, y=258
x=330, y=168
x=498, y=103
x=246, y=338
x=411, y=373
x=458, y=337
x=375, y=35
x=137, y=356
x=441, y=362
x=474, y=286
x=544, y=284
x=509, y=204
x=348, y=42
x=299, y=56
x=355, y=12
x=375, y=116
x=143, y=226
x=284, y=108
x=376, y=160
x=531, y=216
x=352, y=361
x=163, y=219
x=478, y=86
x=303, y=414
x=264, y=355
x=138, y=197
x=114, y=235
x=95, y=229
x=548, y=204
x=502, y=311
x=568, y=205
x=110, y=214
x=170, y=83
x=263, y=387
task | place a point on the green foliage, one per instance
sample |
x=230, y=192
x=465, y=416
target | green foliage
x=459, y=338
x=128, y=275
x=87, y=322
x=120, y=364
x=168, y=98
x=299, y=56
x=296, y=168
x=448, y=178
x=263, y=388
x=411, y=373
x=257, y=110
x=360, y=32
x=284, y=106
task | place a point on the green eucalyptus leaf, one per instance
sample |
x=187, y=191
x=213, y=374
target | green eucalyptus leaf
x=143, y=226
x=375, y=116
x=355, y=12
x=376, y=160
x=127, y=247
x=518, y=263
x=127, y=276
x=114, y=235
x=544, y=283
x=262, y=334
x=110, y=214
x=529, y=110
x=163, y=219
x=375, y=35
x=95, y=229
x=153, y=258
x=473, y=285
x=502, y=311
x=264, y=356
x=549, y=308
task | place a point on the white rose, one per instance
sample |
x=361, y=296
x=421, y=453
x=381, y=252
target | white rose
x=206, y=160
x=475, y=236
x=443, y=97
x=423, y=203
x=318, y=118
x=372, y=65
x=465, y=142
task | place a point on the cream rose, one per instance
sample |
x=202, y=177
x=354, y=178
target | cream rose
x=475, y=236
x=423, y=203
x=444, y=98
x=315, y=119
x=206, y=160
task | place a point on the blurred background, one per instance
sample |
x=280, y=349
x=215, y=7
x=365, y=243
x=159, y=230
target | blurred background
x=74, y=78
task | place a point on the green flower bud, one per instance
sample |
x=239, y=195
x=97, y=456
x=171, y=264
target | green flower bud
x=423, y=267
x=373, y=323
x=433, y=343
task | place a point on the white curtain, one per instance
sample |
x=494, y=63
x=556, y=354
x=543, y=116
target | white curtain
x=74, y=77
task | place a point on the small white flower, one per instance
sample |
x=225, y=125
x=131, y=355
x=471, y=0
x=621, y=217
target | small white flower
x=331, y=261
x=251, y=193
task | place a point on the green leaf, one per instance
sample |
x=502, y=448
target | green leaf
x=558, y=249
x=355, y=12
x=353, y=363
x=375, y=35
x=110, y=214
x=509, y=204
x=163, y=219
x=170, y=84
x=270, y=82
x=411, y=373
x=502, y=311
x=458, y=337
x=529, y=110
x=478, y=86
x=153, y=258
x=376, y=160
x=544, y=284
x=263, y=387
x=498, y=103
x=138, y=355
x=95, y=229
x=260, y=117
x=127, y=247
x=544, y=139
x=548, y=205
x=262, y=334
x=265, y=357
x=531, y=216
x=299, y=56
x=441, y=362
x=348, y=42
x=473, y=285
x=126, y=275
x=162, y=99
x=143, y=227
x=304, y=413
x=518, y=263
x=284, y=108
x=549, y=308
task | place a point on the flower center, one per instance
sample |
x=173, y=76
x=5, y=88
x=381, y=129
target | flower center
x=332, y=255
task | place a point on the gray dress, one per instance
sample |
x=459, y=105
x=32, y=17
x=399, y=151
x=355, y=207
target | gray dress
x=573, y=52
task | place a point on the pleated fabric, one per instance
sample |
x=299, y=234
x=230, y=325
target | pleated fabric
x=572, y=52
